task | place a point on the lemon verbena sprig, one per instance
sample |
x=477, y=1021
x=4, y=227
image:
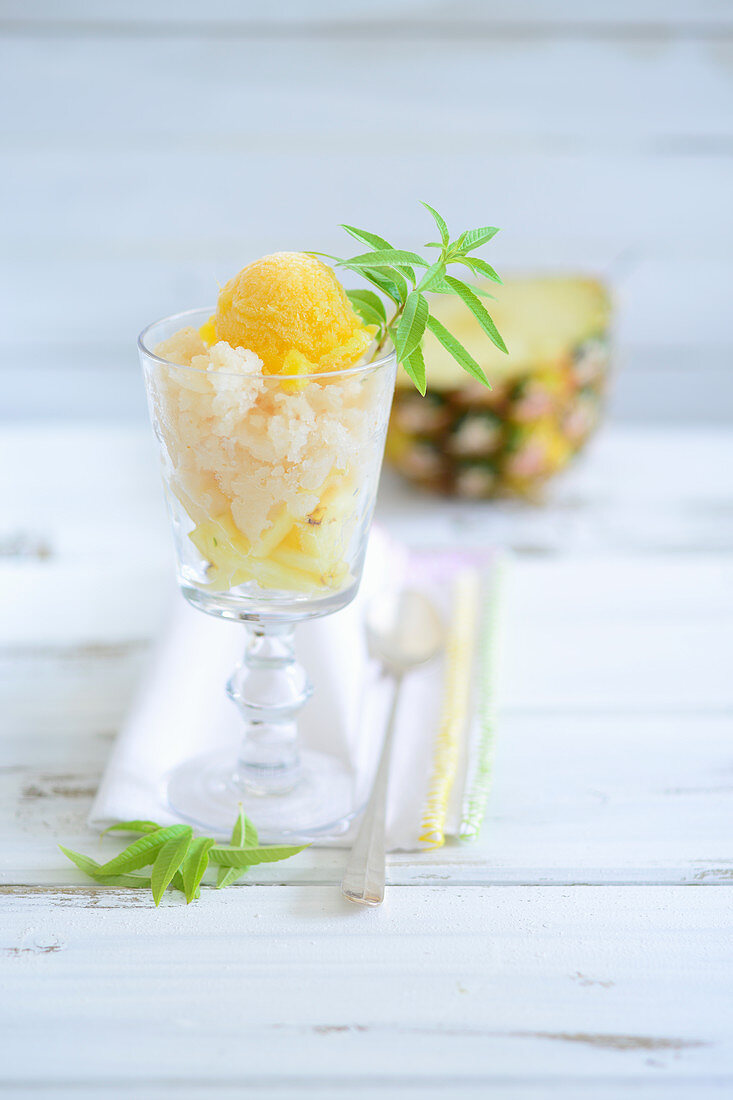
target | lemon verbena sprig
x=405, y=277
x=178, y=859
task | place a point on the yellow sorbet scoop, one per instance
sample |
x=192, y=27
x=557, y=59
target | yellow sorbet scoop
x=291, y=310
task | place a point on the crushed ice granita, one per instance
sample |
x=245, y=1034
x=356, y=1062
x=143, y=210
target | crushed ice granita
x=270, y=437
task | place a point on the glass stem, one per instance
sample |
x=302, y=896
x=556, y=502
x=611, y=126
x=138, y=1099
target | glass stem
x=269, y=687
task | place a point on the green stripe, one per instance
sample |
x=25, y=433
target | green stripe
x=481, y=751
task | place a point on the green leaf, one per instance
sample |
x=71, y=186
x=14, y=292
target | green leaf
x=194, y=866
x=143, y=851
x=227, y=856
x=177, y=884
x=414, y=365
x=244, y=835
x=367, y=238
x=412, y=325
x=457, y=350
x=251, y=839
x=227, y=875
x=393, y=285
x=326, y=255
x=439, y=286
x=91, y=868
x=143, y=827
x=169, y=859
x=482, y=293
x=434, y=274
x=180, y=861
x=477, y=309
x=240, y=829
x=404, y=271
x=368, y=298
x=474, y=238
x=440, y=222
x=385, y=257
x=365, y=309
x=480, y=267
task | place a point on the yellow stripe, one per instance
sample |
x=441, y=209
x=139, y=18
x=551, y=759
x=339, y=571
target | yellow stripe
x=481, y=751
x=455, y=709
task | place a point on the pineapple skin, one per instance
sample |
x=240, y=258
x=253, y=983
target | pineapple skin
x=465, y=440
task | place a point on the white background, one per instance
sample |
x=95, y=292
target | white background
x=151, y=149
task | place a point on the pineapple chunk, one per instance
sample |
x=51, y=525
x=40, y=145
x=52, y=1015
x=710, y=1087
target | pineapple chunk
x=296, y=363
x=220, y=540
x=273, y=574
x=274, y=535
x=207, y=332
x=338, y=497
x=302, y=556
x=322, y=543
x=317, y=543
x=296, y=559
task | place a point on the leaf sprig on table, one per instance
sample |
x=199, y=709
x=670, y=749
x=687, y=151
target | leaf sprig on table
x=392, y=272
x=178, y=859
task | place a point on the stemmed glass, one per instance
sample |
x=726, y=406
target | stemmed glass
x=270, y=482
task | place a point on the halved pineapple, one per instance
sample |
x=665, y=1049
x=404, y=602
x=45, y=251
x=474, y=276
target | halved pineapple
x=545, y=400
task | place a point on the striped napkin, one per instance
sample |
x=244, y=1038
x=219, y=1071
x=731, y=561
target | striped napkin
x=445, y=723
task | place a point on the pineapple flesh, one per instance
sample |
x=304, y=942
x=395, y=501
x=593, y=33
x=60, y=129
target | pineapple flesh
x=305, y=555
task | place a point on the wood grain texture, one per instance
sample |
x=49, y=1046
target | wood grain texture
x=75, y=383
x=633, y=491
x=587, y=999
x=453, y=15
x=577, y=800
x=580, y=949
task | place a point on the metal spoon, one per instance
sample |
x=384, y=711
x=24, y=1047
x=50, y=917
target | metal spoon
x=404, y=631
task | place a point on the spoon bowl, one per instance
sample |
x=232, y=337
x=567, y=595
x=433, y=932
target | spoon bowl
x=403, y=630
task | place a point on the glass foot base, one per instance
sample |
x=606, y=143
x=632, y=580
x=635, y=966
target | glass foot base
x=203, y=792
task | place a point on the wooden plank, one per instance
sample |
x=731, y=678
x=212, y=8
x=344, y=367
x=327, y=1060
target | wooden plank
x=656, y=388
x=602, y=124
x=530, y=985
x=97, y=325
x=576, y=800
x=511, y=1089
x=594, y=631
x=553, y=92
x=87, y=687
x=655, y=385
x=177, y=1089
x=454, y=987
x=604, y=127
x=543, y=15
x=635, y=490
x=602, y=634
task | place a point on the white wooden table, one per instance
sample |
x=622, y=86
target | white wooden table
x=581, y=948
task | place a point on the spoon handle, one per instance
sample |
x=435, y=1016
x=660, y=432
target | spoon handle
x=363, y=882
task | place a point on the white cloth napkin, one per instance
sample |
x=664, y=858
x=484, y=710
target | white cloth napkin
x=442, y=748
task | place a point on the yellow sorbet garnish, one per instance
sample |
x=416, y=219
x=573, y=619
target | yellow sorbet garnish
x=291, y=311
